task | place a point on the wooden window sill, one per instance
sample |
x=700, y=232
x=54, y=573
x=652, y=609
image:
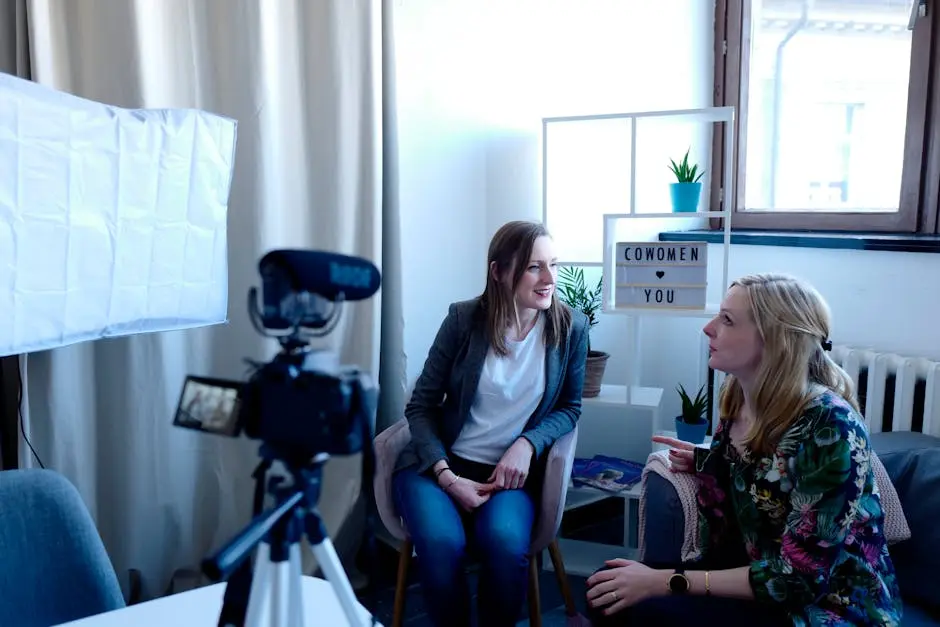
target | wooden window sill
x=894, y=242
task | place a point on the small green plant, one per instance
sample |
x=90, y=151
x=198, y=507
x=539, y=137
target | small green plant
x=574, y=292
x=684, y=172
x=693, y=410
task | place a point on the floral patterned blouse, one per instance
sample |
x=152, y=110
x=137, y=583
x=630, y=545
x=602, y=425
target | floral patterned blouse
x=809, y=518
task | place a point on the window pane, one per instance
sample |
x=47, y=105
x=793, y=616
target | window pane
x=826, y=104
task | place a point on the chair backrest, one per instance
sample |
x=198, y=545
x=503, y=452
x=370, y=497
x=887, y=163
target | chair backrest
x=554, y=490
x=54, y=567
x=388, y=445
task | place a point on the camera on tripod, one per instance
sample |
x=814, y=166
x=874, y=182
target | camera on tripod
x=303, y=407
x=298, y=403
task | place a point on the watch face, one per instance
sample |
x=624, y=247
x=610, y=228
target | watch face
x=678, y=584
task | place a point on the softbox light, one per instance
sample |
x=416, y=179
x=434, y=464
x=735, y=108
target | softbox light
x=112, y=221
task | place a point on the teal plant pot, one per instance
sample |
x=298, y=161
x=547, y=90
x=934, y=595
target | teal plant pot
x=694, y=433
x=685, y=196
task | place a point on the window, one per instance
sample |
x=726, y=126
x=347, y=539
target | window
x=835, y=125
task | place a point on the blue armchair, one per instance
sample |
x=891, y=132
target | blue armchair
x=53, y=565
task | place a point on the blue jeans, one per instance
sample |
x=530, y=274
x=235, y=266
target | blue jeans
x=497, y=535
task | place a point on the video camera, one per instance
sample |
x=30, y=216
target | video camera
x=299, y=404
x=304, y=407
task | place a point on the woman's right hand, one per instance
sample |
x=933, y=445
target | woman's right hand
x=468, y=494
x=681, y=453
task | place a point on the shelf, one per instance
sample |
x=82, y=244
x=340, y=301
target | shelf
x=641, y=397
x=583, y=495
x=708, y=114
x=709, y=312
x=691, y=214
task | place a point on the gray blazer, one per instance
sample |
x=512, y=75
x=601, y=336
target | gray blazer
x=445, y=390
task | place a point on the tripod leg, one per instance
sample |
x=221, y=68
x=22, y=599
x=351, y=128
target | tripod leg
x=280, y=594
x=295, y=595
x=259, y=598
x=333, y=570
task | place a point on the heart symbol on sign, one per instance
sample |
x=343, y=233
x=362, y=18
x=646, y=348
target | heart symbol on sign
x=660, y=274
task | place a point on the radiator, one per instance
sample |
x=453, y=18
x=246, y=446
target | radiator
x=896, y=393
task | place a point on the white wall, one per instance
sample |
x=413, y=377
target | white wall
x=474, y=80
x=641, y=56
x=470, y=115
x=442, y=161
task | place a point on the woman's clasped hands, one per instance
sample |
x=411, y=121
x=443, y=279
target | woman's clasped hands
x=510, y=474
x=468, y=494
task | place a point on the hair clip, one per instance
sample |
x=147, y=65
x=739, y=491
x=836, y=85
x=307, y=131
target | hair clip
x=827, y=345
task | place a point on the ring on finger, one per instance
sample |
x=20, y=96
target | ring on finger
x=614, y=593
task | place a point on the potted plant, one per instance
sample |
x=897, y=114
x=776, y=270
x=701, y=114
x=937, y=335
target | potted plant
x=574, y=292
x=691, y=424
x=687, y=189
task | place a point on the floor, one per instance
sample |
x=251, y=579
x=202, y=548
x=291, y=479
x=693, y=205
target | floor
x=600, y=522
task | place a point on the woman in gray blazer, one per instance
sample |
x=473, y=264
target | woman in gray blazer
x=501, y=383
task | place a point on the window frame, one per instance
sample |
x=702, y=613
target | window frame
x=920, y=187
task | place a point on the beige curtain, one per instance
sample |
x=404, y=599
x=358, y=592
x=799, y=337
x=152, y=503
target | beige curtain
x=14, y=48
x=304, y=80
x=14, y=59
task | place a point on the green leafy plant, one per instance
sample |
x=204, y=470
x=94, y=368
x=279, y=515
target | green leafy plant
x=684, y=172
x=693, y=410
x=573, y=290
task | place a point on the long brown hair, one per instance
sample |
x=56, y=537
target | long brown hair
x=511, y=249
x=793, y=320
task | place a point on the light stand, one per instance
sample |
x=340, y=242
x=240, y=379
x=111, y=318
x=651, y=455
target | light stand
x=275, y=585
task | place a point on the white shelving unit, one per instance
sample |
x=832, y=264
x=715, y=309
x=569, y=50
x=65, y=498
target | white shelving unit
x=635, y=314
x=608, y=264
x=633, y=397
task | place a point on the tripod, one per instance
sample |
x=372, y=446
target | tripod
x=275, y=586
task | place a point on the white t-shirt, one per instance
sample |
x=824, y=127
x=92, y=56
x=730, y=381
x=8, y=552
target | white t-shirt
x=509, y=391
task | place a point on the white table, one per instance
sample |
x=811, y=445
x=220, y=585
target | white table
x=200, y=608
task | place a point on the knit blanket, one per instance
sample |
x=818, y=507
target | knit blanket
x=686, y=489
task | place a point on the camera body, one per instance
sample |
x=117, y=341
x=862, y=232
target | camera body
x=298, y=404
x=304, y=412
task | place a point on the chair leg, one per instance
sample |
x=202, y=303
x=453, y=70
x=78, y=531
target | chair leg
x=401, y=585
x=559, y=566
x=535, y=605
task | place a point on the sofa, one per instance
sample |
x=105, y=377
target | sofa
x=912, y=461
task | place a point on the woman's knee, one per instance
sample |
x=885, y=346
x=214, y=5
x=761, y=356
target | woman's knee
x=505, y=541
x=503, y=526
x=443, y=541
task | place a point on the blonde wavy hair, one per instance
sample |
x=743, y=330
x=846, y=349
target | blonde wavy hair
x=793, y=320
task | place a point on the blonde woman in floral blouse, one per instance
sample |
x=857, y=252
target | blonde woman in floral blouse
x=789, y=511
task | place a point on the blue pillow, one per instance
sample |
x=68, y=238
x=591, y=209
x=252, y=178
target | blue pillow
x=913, y=463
